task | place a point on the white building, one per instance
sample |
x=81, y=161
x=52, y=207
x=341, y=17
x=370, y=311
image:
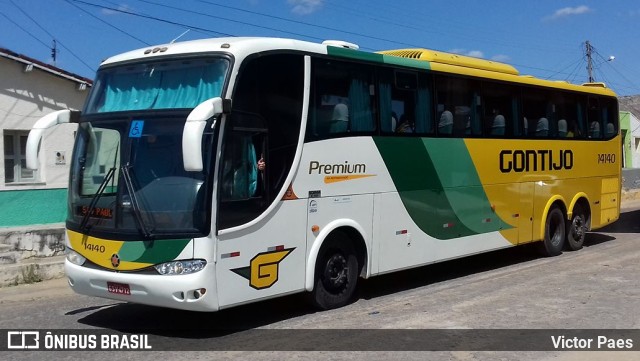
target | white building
x=30, y=89
x=630, y=130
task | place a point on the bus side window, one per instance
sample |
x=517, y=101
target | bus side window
x=498, y=112
x=537, y=112
x=404, y=102
x=542, y=127
x=340, y=119
x=445, y=120
x=562, y=128
x=343, y=95
x=407, y=104
x=594, y=120
x=610, y=118
x=459, y=103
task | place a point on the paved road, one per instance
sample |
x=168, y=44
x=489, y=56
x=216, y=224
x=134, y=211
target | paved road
x=597, y=287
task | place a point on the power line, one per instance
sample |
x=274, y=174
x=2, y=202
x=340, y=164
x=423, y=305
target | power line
x=230, y=20
x=575, y=71
x=591, y=50
x=51, y=35
x=207, y=30
x=301, y=23
x=152, y=18
x=562, y=71
x=106, y=23
x=449, y=25
x=25, y=30
x=359, y=12
x=609, y=62
x=204, y=32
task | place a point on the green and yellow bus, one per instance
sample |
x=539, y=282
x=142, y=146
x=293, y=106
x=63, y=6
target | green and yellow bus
x=213, y=173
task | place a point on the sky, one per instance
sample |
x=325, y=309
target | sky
x=543, y=38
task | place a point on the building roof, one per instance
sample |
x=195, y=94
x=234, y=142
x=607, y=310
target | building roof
x=8, y=54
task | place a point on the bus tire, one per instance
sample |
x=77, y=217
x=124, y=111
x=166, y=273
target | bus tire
x=336, y=274
x=554, y=233
x=577, y=229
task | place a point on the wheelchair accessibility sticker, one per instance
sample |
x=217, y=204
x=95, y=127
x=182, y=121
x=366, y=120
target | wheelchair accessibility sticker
x=136, y=129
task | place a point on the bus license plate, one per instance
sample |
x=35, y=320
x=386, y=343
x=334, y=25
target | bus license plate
x=118, y=288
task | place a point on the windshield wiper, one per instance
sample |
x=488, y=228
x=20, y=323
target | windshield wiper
x=135, y=206
x=96, y=198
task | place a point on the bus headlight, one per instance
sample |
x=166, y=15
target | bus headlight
x=181, y=267
x=74, y=257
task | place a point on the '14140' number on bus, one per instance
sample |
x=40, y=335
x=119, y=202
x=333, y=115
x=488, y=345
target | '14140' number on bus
x=606, y=158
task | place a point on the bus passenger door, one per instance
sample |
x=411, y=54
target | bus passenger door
x=261, y=243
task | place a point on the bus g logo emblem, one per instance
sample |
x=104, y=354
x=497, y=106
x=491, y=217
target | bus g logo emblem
x=264, y=267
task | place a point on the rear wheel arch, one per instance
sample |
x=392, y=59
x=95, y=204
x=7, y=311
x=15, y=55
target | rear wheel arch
x=579, y=222
x=582, y=201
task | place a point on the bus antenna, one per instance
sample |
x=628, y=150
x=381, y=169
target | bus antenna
x=179, y=36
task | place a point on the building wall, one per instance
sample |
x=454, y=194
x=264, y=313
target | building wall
x=630, y=127
x=625, y=130
x=24, y=98
x=634, y=124
x=33, y=206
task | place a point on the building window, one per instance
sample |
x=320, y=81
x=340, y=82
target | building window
x=15, y=163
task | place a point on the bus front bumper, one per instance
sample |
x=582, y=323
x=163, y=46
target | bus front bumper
x=193, y=292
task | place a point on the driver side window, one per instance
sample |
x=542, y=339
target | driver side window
x=242, y=183
x=239, y=167
x=264, y=125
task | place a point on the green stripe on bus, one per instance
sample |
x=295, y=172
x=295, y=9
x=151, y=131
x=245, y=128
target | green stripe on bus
x=412, y=63
x=379, y=58
x=442, y=194
x=152, y=251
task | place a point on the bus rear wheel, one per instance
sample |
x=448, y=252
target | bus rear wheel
x=577, y=229
x=554, y=233
x=336, y=274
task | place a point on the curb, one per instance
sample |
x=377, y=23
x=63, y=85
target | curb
x=32, y=270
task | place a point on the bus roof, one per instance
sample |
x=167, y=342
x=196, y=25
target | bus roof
x=236, y=45
x=466, y=65
x=452, y=59
x=415, y=58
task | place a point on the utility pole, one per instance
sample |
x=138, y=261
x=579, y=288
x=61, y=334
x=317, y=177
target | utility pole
x=54, y=52
x=589, y=61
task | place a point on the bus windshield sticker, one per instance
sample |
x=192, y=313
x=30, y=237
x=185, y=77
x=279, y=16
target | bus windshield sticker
x=136, y=129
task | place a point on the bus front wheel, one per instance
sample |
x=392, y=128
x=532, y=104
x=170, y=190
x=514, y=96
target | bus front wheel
x=336, y=274
x=577, y=229
x=554, y=233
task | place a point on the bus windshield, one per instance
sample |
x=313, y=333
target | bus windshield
x=171, y=84
x=128, y=177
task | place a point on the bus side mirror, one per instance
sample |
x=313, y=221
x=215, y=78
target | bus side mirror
x=194, y=129
x=44, y=123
